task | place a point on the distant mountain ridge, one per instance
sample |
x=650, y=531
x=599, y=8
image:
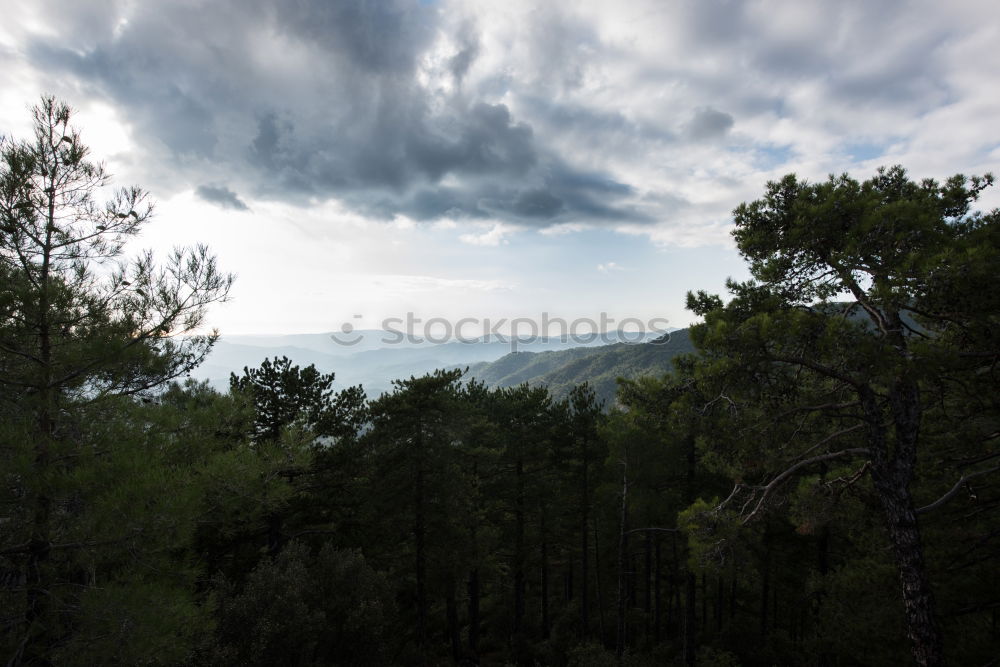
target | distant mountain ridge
x=600, y=366
x=378, y=357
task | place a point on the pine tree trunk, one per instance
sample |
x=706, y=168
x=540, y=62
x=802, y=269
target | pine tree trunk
x=918, y=600
x=690, y=618
x=673, y=594
x=622, y=556
x=519, y=642
x=823, y=658
x=657, y=599
x=719, y=604
x=38, y=615
x=648, y=586
x=584, y=548
x=732, y=599
x=419, y=530
x=451, y=609
x=765, y=582
x=545, y=578
x=597, y=579
x=704, y=601
x=473, y=588
x=690, y=613
x=774, y=607
x=38, y=619
x=891, y=474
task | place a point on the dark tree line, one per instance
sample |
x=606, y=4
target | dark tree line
x=817, y=485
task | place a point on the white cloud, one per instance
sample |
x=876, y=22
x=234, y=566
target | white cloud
x=562, y=229
x=494, y=236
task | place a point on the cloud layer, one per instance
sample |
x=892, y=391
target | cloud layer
x=647, y=117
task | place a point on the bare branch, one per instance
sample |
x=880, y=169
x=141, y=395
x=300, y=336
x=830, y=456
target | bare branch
x=954, y=490
x=784, y=476
x=832, y=436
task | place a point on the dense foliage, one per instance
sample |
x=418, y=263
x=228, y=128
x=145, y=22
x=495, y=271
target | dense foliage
x=815, y=485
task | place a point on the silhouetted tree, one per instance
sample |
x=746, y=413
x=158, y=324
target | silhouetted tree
x=78, y=325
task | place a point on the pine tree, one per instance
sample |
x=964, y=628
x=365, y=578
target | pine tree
x=78, y=325
x=854, y=382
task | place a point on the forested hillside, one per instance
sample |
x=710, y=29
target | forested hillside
x=601, y=367
x=808, y=476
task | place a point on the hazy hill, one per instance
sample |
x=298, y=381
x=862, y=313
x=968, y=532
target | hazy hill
x=374, y=361
x=600, y=366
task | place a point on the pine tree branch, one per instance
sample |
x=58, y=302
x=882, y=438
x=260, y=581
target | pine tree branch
x=954, y=490
x=769, y=488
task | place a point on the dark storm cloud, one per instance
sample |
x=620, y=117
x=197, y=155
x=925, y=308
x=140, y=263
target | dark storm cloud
x=561, y=195
x=222, y=196
x=538, y=203
x=164, y=109
x=708, y=123
x=460, y=63
x=379, y=36
x=490, y=141
x=566, y=117
x=313, y=100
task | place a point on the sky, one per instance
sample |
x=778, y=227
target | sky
x=352, y=161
